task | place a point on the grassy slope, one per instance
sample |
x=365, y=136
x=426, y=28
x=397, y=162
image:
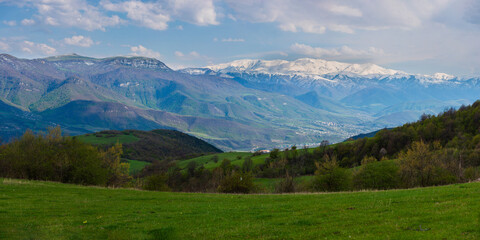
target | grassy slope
x=120, y=138
x=136, y=166
x=232, y=156
x=43, y=210
x=209, y=163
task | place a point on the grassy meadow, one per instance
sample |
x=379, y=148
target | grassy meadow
x=46, y=210
x=136, y=166
x=106, y=139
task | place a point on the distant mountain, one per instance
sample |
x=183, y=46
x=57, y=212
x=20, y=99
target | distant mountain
x=305, y=67
x=84, y=94
x=365, y=135
x=152, y=145
x=243, y=105
x=368, y=88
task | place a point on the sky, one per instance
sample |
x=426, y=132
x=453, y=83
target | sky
x=415, y=36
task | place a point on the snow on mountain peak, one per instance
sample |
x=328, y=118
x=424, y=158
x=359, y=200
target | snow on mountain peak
x=301, y=67
x=442, y=76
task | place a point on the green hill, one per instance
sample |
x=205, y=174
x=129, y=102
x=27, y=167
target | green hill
x=45, y=210
x=148, y=146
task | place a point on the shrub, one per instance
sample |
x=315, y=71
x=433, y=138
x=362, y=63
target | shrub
x=237, y=182
x=338, y=179
x=330, y=177
x=214, y=159
x=472, y=173
x=247, y=165
x=157, y=182
x=377, y=175
x=286, y=185
x=427, y=165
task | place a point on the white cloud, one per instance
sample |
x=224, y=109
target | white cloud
x=27, y=22
x=4, y=46
x=339, y=16
x=193, y=55
x=194, y=11
x=79, y=40
x=68, y=13
x=156, y=15
x=151, y=14
x=345, y=10
x=144, y=52
x=37, y=48
x=10, y=23
x=233, y=40
x=179, y=54
x=341, y=53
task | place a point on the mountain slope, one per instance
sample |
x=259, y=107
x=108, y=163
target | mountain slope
x=212, y=107
x=152, y=145
x=365, y=88
x=242, y=105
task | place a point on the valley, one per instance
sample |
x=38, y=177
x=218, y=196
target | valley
x=244, y=105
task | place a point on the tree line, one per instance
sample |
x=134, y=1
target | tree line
x=435, y=150
x=52, y=157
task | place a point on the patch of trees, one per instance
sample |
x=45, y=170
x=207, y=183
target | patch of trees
x=291, y=161
x=455, y=129
x=420, y=165
x=227, y=178
x=53, y=157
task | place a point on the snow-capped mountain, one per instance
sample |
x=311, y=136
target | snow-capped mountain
x=302, y=67
x=234, y=105
x=391, y=95
x=319, y=69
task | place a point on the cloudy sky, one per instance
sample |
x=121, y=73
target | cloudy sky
x=417, y=36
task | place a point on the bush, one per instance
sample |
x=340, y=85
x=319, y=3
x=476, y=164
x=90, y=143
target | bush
x=429, y=164
x=330, y=177
x=472, y=173
x=156, y=182
x=286, y=185
x=237, y=182
x=338, y=179
x=377, y=175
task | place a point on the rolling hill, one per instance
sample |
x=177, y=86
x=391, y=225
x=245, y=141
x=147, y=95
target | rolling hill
x=148, y=146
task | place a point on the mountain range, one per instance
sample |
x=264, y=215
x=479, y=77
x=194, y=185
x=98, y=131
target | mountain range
x=242, y=105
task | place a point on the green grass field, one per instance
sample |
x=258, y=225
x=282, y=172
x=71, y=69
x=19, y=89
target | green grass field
x=45, y=210
x=106, y=139
x=208, y=162
x=136, y=166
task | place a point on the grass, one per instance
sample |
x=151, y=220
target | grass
x=45, y=210
x=236, y=158
x=209, y=163
x=136, y=166
x=107, y=138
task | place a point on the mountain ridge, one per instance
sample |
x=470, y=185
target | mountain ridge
x=234, y=110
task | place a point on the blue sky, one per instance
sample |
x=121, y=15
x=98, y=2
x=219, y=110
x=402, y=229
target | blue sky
x=416, y=36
